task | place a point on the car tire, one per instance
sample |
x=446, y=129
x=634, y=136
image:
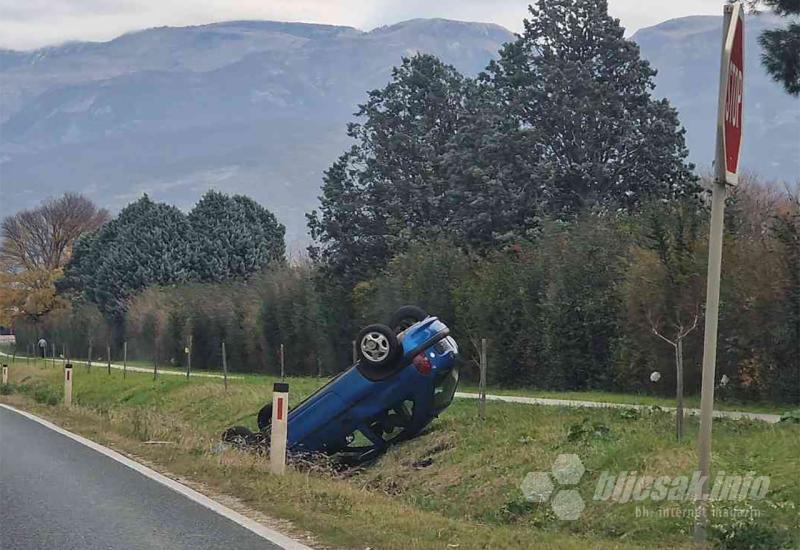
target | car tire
x=237, y=435
x=377, y=346
x=406, y=316
x=265, y=417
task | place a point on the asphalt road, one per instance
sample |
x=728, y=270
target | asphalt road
x=57, y=493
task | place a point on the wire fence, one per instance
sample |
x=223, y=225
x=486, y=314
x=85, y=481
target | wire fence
x=130, y=356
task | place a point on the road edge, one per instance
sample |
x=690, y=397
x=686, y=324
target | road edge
x=267, y=533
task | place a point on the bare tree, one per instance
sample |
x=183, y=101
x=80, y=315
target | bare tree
x=41, y=239
x=676, y=341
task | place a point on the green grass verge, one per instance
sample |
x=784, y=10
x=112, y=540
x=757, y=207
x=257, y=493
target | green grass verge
x=457, y=485
x=690, y=401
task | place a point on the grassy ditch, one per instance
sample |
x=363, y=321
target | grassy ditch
x=456, y=486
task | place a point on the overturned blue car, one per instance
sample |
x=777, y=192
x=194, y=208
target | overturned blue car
x=405, y=376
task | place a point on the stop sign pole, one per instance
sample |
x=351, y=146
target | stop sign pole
x=726, y=170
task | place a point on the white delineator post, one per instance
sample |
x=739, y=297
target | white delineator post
x=482, y=381
x=726, y=169
x=224, y=366
x=5, y=374
x=68, y=385
x=278, y=428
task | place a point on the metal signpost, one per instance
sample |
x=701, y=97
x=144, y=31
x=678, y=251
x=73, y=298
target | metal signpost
x=726, y=170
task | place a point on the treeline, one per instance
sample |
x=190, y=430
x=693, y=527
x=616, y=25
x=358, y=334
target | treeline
x=575, y=310
x=223, y=237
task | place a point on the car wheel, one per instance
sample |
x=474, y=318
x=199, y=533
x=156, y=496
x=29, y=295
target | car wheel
x=265, y=417
x=377, y=346
x=406, y=316
x=237, y=435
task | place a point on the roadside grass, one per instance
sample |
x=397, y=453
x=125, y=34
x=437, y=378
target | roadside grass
x=457, y=484
x=721, y=403
x=690, y=401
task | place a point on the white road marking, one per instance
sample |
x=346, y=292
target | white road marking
x=769, y=418
x=261, y=530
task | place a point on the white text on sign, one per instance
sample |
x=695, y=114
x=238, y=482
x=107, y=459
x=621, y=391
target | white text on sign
x=733, y=102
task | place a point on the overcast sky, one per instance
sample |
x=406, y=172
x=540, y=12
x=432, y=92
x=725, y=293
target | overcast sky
x=26, y=24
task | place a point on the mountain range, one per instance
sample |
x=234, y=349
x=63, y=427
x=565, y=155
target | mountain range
x=260, y=107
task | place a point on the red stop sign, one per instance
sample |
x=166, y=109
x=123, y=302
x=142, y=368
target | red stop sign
x=732, y=110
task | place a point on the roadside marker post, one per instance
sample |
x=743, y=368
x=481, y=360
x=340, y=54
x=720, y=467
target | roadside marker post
x=278, y=429
x=5, y=374
x=68, y=385
x=108, y=357
x=355, y=353
x=155, y=360
x=726, y=169
x=124, y=359
x=224, y=366
x=482, y=382
x=54, y=354
x=188, y=351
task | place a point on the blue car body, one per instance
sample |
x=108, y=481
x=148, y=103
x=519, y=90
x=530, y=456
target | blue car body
x=385, y=410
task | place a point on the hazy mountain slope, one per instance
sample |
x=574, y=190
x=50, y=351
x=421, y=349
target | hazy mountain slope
x=260, y=107
x=686, y=53
x=253, y=107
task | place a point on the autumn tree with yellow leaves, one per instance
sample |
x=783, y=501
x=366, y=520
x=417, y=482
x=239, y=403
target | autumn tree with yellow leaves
x=34, y=247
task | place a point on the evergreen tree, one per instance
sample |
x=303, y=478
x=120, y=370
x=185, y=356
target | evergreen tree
x=350, y=237
x=147, y=244
x=233, y=237
x=781, y=47
x=390, y=187
x=566, y=121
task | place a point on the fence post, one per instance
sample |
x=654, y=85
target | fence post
x=283, y=372
x=482, y=383
x=108, y=357
x=5, y=374
x=189, y=357
x=68, y=385
x=277, y=444
x=89, y=359
x=355, y=353
x=14, y=353
x=54, y=354
x=224, y=366
x=28, y=355
x=155, y=364
x=124, y=359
